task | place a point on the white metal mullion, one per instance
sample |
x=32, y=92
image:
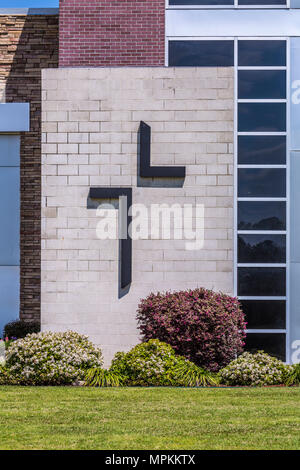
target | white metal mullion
x=266, y=330
x=261, y=265
x=257, y=100
x=235, y=251
x=288, y=201
x=256, y=167
x=262, y=199
x=261, y=232
x=262, y=297
x=261, y=67
x=262, y=133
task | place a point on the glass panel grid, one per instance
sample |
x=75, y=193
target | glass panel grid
x=271, y=216
x=260, y=265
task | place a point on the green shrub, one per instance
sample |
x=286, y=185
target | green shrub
x=293, y=376
x=154, y=364
x=51, y=358
x=6, y=378
x=254, y=370
x=19, y=329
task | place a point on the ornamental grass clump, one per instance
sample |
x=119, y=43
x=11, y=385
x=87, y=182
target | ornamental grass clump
x=51, y=358
x=255, y=370
x=206, y=327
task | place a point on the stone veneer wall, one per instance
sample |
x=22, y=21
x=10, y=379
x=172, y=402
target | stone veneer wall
x=90, y=123
x=28, y=44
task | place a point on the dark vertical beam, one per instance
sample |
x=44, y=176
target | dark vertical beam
x=126, y=242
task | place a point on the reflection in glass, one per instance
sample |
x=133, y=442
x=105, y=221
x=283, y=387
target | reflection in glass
x=258, y=53
x=262, y=117
x=261, y=281
x=261, y=149
x=262, y=2
x=261, y=215
x=264, y=314
x=262, y=84
x=271, y=343
x=261, y=249
x=261, y=182
x=201, y=53
x=200, y=2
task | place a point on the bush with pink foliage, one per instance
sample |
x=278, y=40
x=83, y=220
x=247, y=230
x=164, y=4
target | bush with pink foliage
x=206, y=327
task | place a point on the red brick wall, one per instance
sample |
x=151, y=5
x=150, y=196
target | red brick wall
x=111, y=32
x=27, y=45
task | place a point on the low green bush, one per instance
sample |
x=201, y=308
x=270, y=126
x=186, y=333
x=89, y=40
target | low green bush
x=255, y=370
x=51, y=358
x=155, y=363
x=293, y=376
x=6, y=378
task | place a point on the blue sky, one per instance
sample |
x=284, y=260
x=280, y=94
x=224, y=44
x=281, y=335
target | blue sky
x=29, y=3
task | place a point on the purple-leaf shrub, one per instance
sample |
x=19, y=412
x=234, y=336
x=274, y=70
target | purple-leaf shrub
x=206, y=327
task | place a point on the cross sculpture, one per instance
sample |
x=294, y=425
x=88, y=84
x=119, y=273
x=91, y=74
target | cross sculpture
x=145, y=170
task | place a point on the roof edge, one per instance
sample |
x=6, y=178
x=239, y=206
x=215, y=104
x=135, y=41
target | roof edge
x=29, y=11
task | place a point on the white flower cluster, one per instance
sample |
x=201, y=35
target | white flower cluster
x=51, y=358
x=254, y=370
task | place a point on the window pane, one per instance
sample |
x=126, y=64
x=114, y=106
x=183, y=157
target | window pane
x=201, y=2
x=261, y=249
x=261, y=182
x=9, y=294
x=271, y=343
x=262, y=2
x=10, y=216
x=262, y=53
x=9, y=150
x=264, y=314
x=261, y=149
x=262, y=84
x=261, y=281
x=201, y=53
x=262, y=117
x=261, y=215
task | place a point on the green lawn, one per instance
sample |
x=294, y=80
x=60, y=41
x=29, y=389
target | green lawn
x=154, y=418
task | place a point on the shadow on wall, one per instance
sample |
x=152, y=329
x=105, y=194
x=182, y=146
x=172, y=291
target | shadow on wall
x=28, y=45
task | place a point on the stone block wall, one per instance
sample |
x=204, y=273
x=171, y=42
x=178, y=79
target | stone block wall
x=27, y=45
x=90, y=132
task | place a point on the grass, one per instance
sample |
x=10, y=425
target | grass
x=154, y=418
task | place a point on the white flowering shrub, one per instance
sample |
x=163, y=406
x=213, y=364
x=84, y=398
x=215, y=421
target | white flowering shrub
x=254, y=370
x=51, y=358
